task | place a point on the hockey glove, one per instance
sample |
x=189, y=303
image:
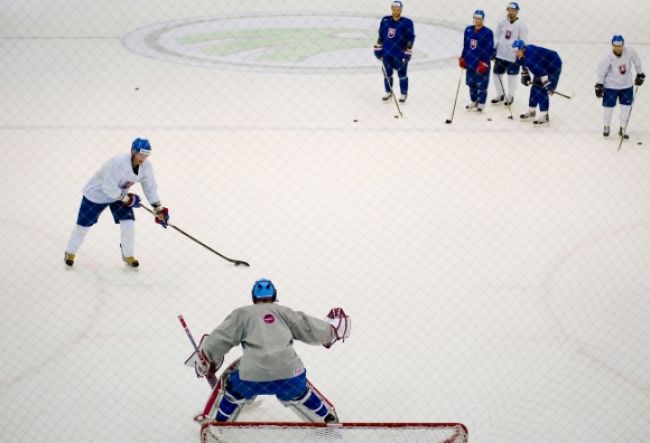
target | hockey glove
x=406, y=56
x=461, y=63
x=131, y=200
x=482, y=68
x=162, y=215
x=638, y=81
x=340, y=323
x=525, y=77
x=379, y=51
x=599, y=90
x=202, y=365
x=546, y=84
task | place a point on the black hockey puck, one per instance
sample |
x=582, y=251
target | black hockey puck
x=396, y=116
x=355, y=120
x=137, y=89
x=639, y=143
x=489, y=119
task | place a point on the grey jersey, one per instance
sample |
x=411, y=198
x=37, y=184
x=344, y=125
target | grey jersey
x=266, y=332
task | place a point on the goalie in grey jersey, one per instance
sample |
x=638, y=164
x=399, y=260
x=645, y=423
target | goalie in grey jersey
x=269, y=365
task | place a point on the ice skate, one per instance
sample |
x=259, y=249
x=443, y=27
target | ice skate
x=542, y=120
x=480, y=107
x=498, y=99
x=68, y=259
x=131, y=261
x=472, y=106
x=386, y=97
x=508, y=101
x=606, y=131
x=402, y=98
x=621, y=134
x=527, y=115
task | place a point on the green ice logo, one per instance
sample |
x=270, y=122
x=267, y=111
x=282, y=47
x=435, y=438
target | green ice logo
x=293, y=45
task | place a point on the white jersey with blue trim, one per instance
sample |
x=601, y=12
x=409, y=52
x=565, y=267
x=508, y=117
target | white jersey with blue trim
x=615, y=72
x=113, y=180
x=506, y=33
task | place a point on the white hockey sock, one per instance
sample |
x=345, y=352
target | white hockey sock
x=497, y=85
x=607, y=115
x=625, y=115
x=513, y=81
x=76, y=238
x=127, y=228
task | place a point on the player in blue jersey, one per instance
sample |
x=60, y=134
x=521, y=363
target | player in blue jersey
x=546, y=66
x=478, y=50
x=393, y=48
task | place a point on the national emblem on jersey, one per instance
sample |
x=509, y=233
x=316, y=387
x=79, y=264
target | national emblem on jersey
x=392, y=32
x=473, y=43
x=269, y=318
x=508, y=34
x=622, y=69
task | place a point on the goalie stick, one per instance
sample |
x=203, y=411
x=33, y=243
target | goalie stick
x=231, y=260
x=211, y=378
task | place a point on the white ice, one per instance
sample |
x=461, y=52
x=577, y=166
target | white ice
x=497, y=274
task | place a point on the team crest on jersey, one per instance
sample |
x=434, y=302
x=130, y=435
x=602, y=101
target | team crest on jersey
x=508, y=34
x=473, y=43
x=622, y=69
x=269, y=318
x=392, y=32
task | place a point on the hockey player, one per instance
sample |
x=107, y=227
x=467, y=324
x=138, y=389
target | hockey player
x=478, y=50
x=546, y=67
x=269, y=365
x=509, y=29
x=109, y=187
x=615, y=82
x=393, y=48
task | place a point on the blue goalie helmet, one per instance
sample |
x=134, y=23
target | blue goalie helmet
x=141, y=146
x=263, y=289
x=518, y=44
x=618, y=40
x=480, y=14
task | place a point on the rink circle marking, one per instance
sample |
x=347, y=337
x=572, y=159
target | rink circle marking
x=287, y=42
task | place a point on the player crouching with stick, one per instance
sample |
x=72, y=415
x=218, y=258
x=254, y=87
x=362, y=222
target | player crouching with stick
x=269, y=365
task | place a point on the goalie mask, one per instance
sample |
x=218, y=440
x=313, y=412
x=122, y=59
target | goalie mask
x=263, y=289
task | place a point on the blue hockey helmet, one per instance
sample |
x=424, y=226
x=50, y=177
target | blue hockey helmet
x=513, y=5
x=480, y=14
x=263, y=289
x=141, y=146
x=518, y=44
x=618, y=40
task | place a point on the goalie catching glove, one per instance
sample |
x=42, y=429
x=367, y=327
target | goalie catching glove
x=201, y=364
x=340, y=323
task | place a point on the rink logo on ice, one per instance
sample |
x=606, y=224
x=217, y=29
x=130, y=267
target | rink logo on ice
x=292, y=42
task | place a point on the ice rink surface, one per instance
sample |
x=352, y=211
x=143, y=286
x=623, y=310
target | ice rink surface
x=497, y=274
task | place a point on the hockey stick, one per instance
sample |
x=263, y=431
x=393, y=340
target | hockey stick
x=211, y=378
x=624, y=132
x=567, y=96
x=390, y=87
x=231, y=260
x=506, y=97
x=453, y=110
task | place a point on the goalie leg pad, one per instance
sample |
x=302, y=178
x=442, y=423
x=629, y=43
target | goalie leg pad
x=312, y=408
x=230, y=407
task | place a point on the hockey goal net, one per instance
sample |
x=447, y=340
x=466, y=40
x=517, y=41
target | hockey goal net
x=255, y=432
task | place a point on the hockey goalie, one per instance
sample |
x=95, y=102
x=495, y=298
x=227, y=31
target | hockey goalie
x=269, y=364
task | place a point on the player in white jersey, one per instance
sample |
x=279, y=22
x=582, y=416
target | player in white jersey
x=266, y=332
x=508, y=30
x=615, y=82
x=109, y=187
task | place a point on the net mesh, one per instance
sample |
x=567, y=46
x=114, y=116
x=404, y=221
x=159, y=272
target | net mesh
x=318, y=433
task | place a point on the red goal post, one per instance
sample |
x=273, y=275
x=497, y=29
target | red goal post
x=278, y=432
